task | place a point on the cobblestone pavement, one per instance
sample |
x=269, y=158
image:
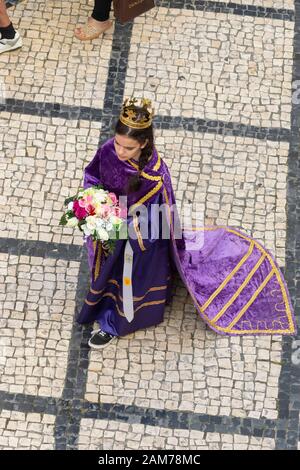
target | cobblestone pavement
x=222, y=77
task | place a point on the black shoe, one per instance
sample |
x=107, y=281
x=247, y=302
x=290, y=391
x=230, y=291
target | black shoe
x=100, y=339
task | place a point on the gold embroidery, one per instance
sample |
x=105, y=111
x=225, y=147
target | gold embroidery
x=137, y=231
x=250, y=302
x=239, y=290
x=98, y=261
x=229, y=277
x=155, y=168
x=275, y=290
x=244, y=323
x=135, y=299
x=152, y=289
x=92, y=291
x=146, y=304
x=280, y=309
x=88, y=302
x=277, y=321
x=157, y=164
x=112, y=281
x=146, y=197
x=143, y=173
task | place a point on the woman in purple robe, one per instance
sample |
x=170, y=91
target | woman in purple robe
x=234, y=282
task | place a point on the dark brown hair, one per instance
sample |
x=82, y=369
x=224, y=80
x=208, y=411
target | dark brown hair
x=141, y=136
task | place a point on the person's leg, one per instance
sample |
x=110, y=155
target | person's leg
x=98, y=23
x=101, y=10
x=9, y=37
x=4, y=18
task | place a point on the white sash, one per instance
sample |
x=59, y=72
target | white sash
x=127, y=283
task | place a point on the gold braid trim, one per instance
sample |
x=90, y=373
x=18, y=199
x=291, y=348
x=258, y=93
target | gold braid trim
x=143, y=173
x=147, y=196
x=229, y=277
x=239, y=290
x=98, y=262
x=136, y=299
x=146, y=304
x=138, y=233
x=158, y=163
x=250, y=302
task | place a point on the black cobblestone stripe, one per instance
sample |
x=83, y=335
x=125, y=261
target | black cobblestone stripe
x=109, y=116
x=222, y=127
x=41, y=249
x=69, y=410
x=115, y=85
x=229, y=7
x=29, y=403
x=68, y=418
x=289, y=380
x=51, y=110
x=218, y=7
x=181, y=420
x=67, y=424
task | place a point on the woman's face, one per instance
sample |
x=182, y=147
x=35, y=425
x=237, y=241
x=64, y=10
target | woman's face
x=127, y=148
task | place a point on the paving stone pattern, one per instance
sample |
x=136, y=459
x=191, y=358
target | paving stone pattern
x=222, y=76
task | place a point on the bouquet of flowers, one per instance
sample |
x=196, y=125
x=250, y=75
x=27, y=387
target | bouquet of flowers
x=97, y=213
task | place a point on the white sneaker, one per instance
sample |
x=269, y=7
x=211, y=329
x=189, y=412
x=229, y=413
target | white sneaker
x=7, y=45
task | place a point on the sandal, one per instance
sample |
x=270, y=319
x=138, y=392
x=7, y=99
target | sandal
x=89, y=31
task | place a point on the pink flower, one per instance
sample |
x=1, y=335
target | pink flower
x=90, y=209
x=85, y=201
x=116, y=211
x=113, y=198
x=79, y=211
x=104, y=210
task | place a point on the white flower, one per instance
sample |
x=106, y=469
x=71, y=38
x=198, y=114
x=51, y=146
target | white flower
x=86, y=231
x=108, y=226
x=73, y=222
x=91, y=222
x=115, y=220
x=99, y=196
x=102, y=234
x=70, y=206
x=99, y=222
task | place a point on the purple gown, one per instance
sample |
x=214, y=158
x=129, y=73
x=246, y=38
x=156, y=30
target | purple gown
x=234, y=282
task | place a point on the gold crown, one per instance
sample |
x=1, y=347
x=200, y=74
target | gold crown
x=129, y=113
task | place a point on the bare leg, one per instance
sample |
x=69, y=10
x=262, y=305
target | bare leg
x=4, y=18
x=9, y=38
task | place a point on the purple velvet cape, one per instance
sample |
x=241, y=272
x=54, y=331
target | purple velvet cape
x=234, y=282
